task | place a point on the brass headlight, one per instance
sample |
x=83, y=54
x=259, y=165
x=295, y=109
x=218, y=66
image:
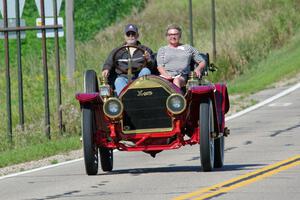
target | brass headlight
x=176, y=103
x=113, y=108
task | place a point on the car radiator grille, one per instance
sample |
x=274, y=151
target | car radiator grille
x=145, y=109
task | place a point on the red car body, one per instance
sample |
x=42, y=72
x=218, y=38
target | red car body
x=146, y=124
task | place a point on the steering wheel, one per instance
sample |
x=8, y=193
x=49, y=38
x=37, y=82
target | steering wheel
x=133, y=64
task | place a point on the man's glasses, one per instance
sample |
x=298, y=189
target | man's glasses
x=173, y=34
x=130, y=33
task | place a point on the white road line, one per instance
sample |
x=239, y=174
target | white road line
x=41, y=168
x=279, y=104
x=269, y=100
x=260, y=104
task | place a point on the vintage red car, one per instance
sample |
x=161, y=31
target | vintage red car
x=151, y=115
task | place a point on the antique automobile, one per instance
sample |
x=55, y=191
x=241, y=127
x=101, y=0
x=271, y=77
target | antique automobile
x=151, y=114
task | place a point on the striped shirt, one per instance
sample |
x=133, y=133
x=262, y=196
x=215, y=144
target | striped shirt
x=177, y=60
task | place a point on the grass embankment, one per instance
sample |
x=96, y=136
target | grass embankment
x=38, y=151
x=280, y=64
x=248, y=36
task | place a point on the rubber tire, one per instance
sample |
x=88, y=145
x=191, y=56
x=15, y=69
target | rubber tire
x=206, y=141
x=90, y=150
x=219, y=152
x=106, y=158
x=90, y=82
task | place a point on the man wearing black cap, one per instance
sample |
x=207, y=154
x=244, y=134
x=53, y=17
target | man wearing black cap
x=120, y=70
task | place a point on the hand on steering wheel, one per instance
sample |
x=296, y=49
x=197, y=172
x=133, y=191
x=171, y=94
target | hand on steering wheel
x=137, y=62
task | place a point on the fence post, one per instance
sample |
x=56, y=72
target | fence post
x=7, y=73
x=20, y=75
x=70, y=43
x=45, y=68
x=58, y=81
x=213, y=18
x=191, y=23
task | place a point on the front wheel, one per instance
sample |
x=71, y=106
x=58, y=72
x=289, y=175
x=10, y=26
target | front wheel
x=90, y=82
x=90, y=149
x=206, y=140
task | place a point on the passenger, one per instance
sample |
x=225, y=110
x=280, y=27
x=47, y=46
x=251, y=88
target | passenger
x=174, y=60
x=131, y=36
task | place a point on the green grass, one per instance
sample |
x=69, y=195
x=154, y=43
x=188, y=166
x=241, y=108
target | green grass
x=38, y=151
x=96, y=15
x=248, y=36
x=280, y=64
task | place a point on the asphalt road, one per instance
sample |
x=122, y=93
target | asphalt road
x=262, y=161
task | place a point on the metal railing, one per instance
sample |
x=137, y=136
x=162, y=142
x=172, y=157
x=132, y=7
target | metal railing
x=17, y=29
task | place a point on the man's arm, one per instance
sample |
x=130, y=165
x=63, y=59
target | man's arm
x=108, y=64
x=105, y=73
x=149, y=55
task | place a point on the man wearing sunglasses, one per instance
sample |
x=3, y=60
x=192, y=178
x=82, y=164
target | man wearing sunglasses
x=116, y=70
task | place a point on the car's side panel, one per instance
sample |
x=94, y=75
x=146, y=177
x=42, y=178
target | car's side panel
x=222, y=103
x=219, y=96
x=194, y=97
x=95, y=102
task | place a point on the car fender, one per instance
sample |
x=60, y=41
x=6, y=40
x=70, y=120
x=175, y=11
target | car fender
x=219, y=97
x=86, y=99
x=222, y=103
x=197, y=93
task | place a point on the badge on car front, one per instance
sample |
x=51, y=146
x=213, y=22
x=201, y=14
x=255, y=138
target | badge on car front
x=142, y=93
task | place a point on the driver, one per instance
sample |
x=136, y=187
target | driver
x=120, y=68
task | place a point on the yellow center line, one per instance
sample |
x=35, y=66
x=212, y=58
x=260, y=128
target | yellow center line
x=243, y=180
